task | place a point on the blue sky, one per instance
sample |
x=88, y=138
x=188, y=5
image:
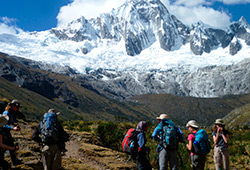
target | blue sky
x=37, y=15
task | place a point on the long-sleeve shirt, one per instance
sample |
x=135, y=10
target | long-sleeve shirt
x=141, y=139
x=11, y=120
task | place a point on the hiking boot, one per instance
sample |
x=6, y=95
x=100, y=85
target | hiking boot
x=63, y=151
x=17, y=162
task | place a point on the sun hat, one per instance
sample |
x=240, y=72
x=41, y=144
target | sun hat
x=15, y=103
x=162, y=116
x=219, y=122
x=53, y=111
x=3, y=119
x=193, y=124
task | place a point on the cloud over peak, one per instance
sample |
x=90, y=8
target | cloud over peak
x=8, y=26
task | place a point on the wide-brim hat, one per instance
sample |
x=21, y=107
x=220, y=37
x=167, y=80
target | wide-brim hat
x=53, y=111
x=15, y=103
x=193, y=124
x=3, y=119
x=162, y=116
x=219, y=122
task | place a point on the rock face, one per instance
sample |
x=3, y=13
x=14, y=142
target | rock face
x=35, y=81
x=206, y=82
x=140, y=23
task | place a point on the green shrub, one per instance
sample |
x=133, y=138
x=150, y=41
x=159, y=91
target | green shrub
x=110, y=135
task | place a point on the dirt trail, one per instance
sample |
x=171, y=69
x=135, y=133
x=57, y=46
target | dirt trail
x=81, y=154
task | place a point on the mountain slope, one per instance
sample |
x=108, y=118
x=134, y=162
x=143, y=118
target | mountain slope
x=183, y=109
x=40, y=90
x=238, y=117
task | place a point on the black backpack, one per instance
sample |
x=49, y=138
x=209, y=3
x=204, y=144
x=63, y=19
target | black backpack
x=49, y=129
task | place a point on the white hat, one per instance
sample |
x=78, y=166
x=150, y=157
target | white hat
x=219, y=122
x=162, y=116
x=53, y=111
x=3, y=119
x=193, y=124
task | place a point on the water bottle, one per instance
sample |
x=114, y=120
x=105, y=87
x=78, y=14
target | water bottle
x=132, y=144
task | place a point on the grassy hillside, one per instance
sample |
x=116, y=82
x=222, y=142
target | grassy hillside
x=182, y=109
x=239, y=117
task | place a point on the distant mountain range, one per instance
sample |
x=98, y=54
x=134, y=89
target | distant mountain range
x=140, y=48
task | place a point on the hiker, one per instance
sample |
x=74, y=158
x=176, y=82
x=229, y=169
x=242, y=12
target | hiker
x=167, y=149
x=50, y=133
x=198, y=160
x=3, y=164
x=220, y=138
x=11, y=109
x=141, y=156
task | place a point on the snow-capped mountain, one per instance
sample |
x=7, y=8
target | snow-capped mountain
x=141, y=48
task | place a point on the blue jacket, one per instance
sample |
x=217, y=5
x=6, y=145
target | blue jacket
x=141, y=140
x=10, y=121
x=158, y=131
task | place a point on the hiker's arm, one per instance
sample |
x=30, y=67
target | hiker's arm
x=155, y=134
x=216, y=138
x=141, y=142
x=190, y=145
x=180, y=136
x=7, y=126
x=36, y=133
x=225, y=137
x=5, y=146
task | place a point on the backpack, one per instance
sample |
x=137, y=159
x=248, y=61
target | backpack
x=201, y=145
x=129, y=142
x=49, y=129
x=169, y=136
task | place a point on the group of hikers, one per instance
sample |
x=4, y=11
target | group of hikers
x=49, y=133
x=168, y=135
x=51, y=136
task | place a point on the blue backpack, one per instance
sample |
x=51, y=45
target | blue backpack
x=201, y=145
x=49, y=129
x=169, y=136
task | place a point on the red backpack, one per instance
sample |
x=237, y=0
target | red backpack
x=129, y=143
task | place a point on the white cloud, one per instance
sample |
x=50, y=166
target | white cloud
x=233, y=2
x=88, y=9
x=8, y=26
x=190, y=12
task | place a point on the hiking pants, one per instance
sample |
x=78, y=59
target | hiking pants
x=198, y=161
x=168, y=156
x=221, y=157
x=51, y=157
x=142, y=161
x=9, y=141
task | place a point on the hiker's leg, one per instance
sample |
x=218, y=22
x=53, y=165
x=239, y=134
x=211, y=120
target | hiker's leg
x=198, y=162
x=172, y=155
x=225, y=158
x=47, y=157
x=163, y=160
x=142, y=161
x=217, y=158
x=9, y=141
x=57, y=158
